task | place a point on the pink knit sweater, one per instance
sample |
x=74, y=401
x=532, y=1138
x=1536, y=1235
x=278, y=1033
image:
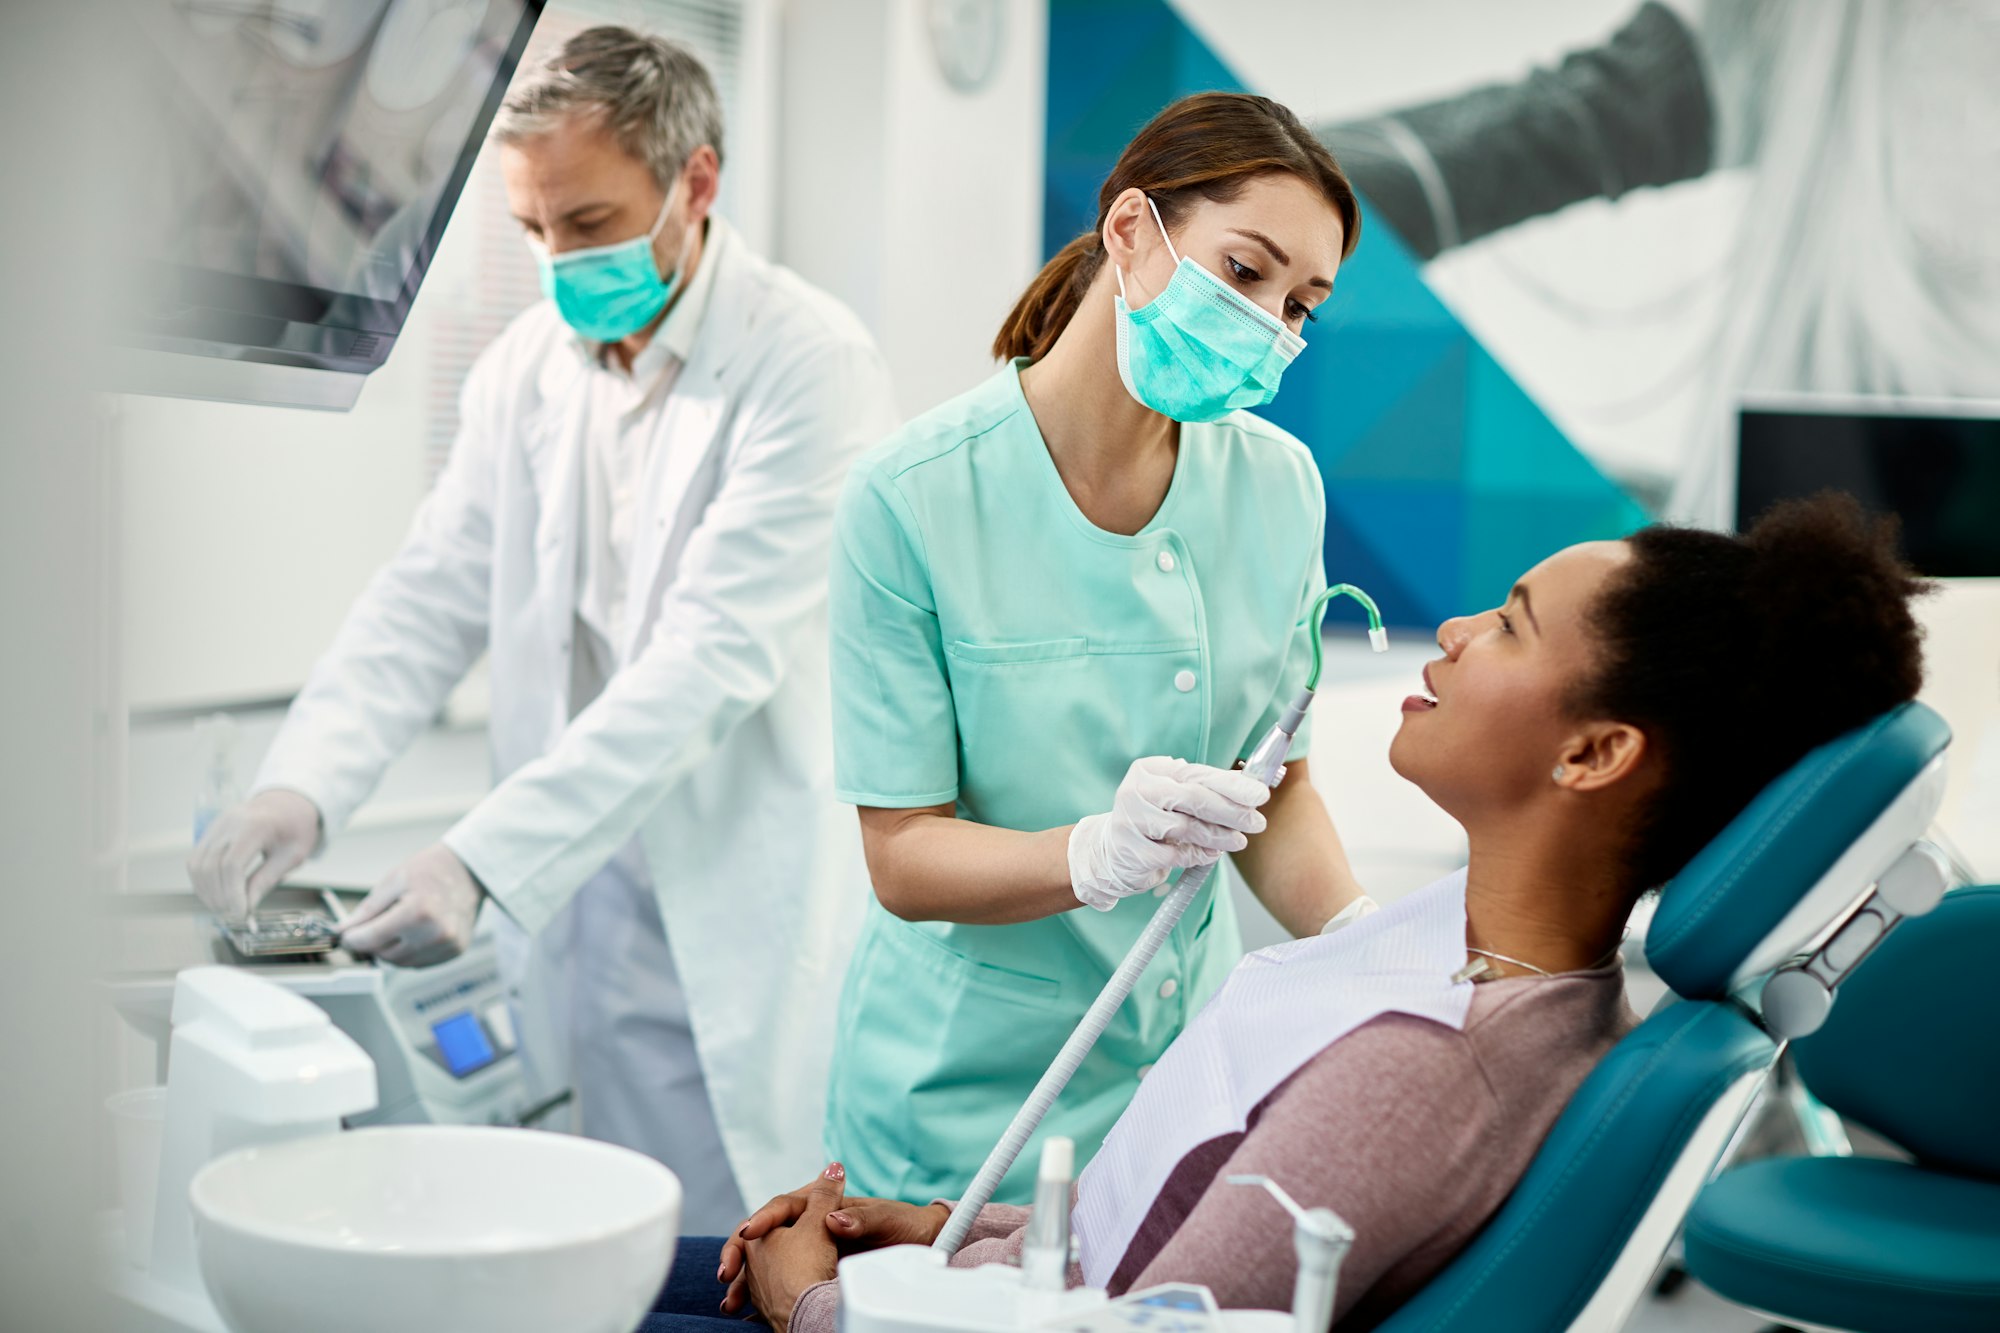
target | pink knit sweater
x=1412, y=1132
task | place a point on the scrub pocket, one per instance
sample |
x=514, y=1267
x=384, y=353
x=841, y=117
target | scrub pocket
x=1019, y=654
x=1046, y=728
x=936, y=1051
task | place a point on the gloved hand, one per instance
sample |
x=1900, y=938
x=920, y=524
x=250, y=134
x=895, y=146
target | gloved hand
x=250, y=847
x=1168, y=814
x=420, y=914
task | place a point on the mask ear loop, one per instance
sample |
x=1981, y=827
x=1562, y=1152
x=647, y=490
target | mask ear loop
x=666, y=207
x=1163, y=231
x=1119, y=273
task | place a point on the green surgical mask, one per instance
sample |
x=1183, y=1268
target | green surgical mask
x=609, y=292
x=1200, y=349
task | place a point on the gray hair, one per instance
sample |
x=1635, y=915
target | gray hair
x=653, y=94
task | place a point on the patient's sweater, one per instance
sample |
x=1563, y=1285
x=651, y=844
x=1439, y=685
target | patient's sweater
x=1410, y=1131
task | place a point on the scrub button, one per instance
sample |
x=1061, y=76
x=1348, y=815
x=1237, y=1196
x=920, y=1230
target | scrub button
x=1184, y=681
x=1166, y=562
x=1168, y=987
x=1145, y=1070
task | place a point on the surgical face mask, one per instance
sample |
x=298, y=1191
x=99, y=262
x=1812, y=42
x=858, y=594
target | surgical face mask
x=609, y=292
x=1200, y=349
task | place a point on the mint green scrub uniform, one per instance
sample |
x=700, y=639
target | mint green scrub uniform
x=995, y=651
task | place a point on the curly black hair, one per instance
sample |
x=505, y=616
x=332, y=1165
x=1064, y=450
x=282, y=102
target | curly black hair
x=1737, y=655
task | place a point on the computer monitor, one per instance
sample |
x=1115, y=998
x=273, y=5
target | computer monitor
x=1935, y=464
x=308, y=158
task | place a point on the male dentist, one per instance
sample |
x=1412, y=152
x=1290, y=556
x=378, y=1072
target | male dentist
x=635, y=521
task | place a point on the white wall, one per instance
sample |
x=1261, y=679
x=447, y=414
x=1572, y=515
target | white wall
x=918, y=205
x=248, y=530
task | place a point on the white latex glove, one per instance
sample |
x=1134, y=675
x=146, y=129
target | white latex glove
x=420, y=914
x=250, y=847
x=1168, y=815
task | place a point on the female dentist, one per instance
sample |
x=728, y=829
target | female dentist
x=1090, y=559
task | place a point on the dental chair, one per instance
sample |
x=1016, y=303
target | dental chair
x=1864, y=1243
x=1753, y=936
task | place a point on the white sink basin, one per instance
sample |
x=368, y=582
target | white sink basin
x=435, y=1227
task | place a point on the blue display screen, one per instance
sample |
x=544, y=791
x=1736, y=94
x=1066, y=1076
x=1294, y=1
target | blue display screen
x=462, y=1043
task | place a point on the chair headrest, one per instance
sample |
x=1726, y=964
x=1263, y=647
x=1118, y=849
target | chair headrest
x=1902, y=1051
x=1800, y=854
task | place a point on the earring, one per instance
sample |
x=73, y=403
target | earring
x=1558, y=774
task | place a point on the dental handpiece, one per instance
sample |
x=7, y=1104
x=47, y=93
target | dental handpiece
x=1321, y=1239
x=1045, y=1249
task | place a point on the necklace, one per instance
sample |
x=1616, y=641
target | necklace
x=1482, y=969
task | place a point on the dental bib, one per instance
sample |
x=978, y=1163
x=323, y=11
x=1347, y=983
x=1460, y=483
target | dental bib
x=1280, y=1007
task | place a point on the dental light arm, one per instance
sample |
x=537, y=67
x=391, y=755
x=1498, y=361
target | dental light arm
x=1266, y=764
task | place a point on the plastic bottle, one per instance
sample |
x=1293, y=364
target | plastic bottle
x=218, y=785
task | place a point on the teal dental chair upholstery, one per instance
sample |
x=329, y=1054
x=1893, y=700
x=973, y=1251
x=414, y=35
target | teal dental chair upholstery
x=1577, y=1242
x=1865, y=1244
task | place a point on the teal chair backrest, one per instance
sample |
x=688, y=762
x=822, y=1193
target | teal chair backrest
x=1911, y=1051
x=1580, y=1236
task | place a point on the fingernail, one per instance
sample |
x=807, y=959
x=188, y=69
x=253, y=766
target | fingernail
x=836, y=1172
x=840, y=1219
x=718, y=1272
x=743, y=1230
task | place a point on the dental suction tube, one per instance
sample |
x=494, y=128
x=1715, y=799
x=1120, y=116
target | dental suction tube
x=1266, y=764
x=1057, y=1076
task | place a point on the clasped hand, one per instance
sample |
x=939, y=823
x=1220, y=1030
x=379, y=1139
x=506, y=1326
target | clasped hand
x=793, y=1242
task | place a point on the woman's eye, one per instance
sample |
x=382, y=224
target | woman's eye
x=1242, y=273
x=1506, y=625
x=1297, y=310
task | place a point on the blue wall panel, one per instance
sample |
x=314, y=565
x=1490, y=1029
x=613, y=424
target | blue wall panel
x=1444, y=479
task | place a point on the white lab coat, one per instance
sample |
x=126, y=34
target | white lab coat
x=713, y=743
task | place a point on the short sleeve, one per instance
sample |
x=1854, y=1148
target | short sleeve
x=1298, y=656
x=895, y=735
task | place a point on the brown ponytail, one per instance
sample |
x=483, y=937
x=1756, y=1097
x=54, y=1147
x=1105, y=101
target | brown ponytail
x=1207, y=146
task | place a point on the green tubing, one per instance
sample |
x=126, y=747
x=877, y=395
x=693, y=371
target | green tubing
x=1319, y=610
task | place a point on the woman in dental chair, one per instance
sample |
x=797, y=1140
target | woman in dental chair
x=1590, y=735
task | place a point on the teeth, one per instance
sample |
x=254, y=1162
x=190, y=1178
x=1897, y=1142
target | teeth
x=1428, y=698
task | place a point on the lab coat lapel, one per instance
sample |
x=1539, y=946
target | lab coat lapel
x=560, y=522
x=690, y=432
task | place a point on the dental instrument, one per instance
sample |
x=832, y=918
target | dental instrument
x=1045, y=1249
x=1266, y=764
x=1321, y=1239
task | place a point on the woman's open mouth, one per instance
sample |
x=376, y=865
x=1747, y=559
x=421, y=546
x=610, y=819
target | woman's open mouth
x=1424, y=701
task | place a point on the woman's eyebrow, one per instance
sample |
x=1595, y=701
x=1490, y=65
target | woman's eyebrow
x=1520, y=592
x=1277, y=252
